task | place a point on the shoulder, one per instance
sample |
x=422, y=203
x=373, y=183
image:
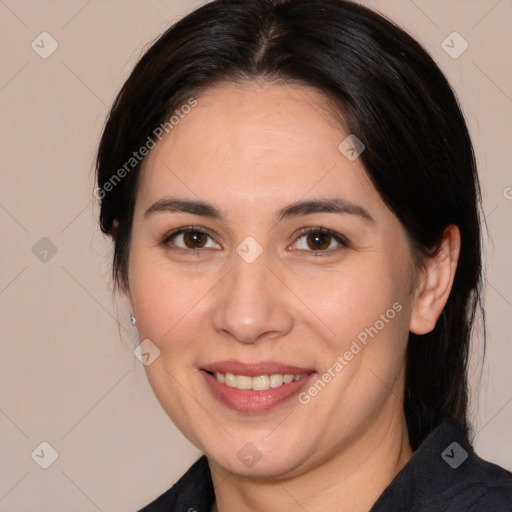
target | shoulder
x=446, y=475
x=472, y=481
x=483, y=485
x=193, y=491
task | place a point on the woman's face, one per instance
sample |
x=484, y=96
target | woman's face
x=252, y=287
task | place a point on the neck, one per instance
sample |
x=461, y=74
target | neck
x=350, y=480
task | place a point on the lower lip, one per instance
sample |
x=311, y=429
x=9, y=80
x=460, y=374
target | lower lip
x=249, y=400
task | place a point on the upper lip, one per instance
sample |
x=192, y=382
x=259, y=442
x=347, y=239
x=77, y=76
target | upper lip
x=254, y=369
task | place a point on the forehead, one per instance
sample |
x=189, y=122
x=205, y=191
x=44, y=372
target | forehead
x=256, y=140
x=267, y=101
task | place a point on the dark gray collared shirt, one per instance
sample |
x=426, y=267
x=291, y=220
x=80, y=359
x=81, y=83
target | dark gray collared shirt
x=443, y=475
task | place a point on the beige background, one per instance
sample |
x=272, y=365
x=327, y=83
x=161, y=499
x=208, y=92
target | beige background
x=67, y=372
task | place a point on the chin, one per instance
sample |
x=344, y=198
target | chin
x=251, y=460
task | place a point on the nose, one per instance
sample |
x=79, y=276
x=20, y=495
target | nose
x=251, y=303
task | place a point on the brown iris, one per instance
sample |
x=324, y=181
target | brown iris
x=318, y=241
x=194, y=239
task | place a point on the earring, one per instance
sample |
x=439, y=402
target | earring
x=133, y=320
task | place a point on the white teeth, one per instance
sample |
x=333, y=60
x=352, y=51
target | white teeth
x=243, y=382
x=259, y=383
x=230, y=380
x=276, y=380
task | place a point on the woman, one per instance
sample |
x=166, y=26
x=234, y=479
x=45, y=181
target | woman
x=292, y=194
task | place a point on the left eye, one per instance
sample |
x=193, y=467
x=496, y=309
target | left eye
x=321, y=240
x=191, y=239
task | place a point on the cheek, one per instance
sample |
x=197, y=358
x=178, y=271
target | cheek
x=166, y=302
x=363, y=313
x=345, y=303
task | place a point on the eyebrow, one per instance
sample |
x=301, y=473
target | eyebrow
x=299, y=208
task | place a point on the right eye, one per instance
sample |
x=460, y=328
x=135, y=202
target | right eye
x=189, y=239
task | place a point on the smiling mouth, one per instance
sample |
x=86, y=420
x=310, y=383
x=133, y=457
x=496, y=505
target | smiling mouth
x=257, y=383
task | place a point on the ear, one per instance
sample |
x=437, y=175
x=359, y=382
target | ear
x=435, y=283
x=115, y=227
x=122, y=287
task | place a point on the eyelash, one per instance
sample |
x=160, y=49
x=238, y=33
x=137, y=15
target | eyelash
x=306, y=231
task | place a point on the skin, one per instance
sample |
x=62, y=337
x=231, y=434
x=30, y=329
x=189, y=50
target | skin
x=252, y=149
